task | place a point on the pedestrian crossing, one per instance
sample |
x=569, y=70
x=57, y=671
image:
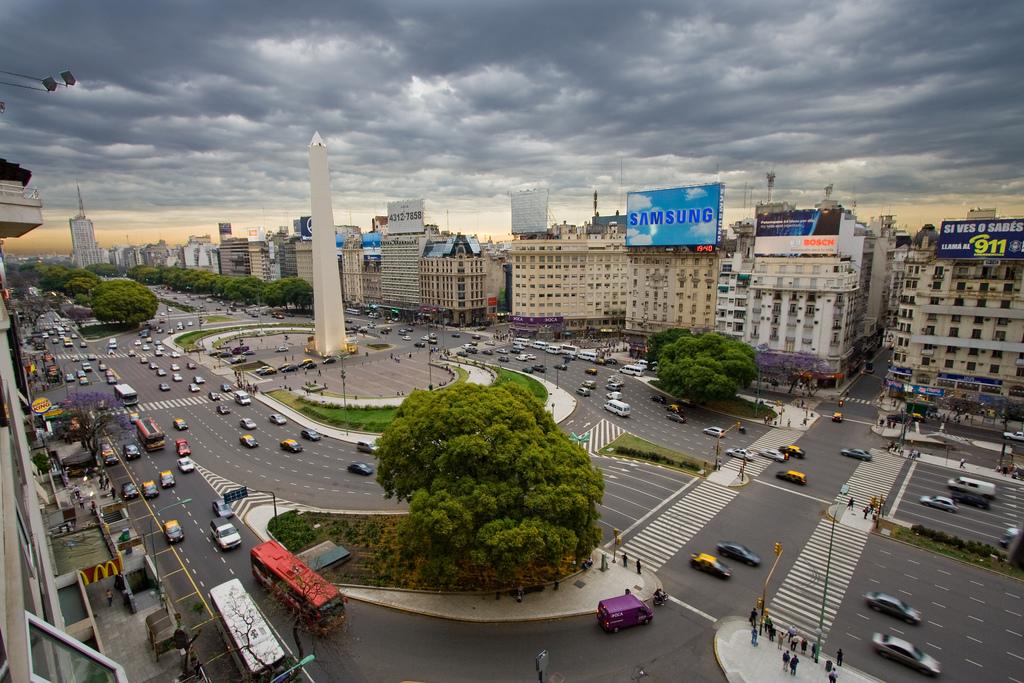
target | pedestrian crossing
x=801, y=601
x=171, y=403
x=104, y=356
x=602, y=434
x=773, y=439
x=671, y=530
x=874, y=478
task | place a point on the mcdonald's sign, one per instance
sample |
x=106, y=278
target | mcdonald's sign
x=101, y=571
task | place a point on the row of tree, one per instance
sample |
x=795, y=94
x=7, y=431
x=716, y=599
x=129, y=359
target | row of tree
x=116, y=301
x=286, y=292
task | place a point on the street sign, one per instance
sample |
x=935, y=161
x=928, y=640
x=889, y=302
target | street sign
x=237, y=494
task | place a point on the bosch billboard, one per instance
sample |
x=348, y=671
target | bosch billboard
x=682, y=216
x=810, y=231
x=991, y=239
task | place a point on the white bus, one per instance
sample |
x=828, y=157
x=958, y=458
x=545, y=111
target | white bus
x=522, y=341
x=351, y=311
x=553, y=348
x=570, y=350
x=635, y=370
x=251, y=641
x=126, y=394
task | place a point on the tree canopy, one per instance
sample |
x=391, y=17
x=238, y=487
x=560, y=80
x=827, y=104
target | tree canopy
x=658, y=341
x=492, y=483
x=790, y=368
x=123, y=301
x=91, y=416
x=706, y=367
x=103, y=269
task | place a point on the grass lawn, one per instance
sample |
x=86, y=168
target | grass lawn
x=218, y=319
x=379, y=347
x=635, y=447
x=975, y=559
x=532, y=385
x=106, y=330
x=359, y=419
x=174, y=304
x=188, y=340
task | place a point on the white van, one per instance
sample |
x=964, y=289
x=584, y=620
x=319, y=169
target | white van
x=521, y=341
x=618, y=407
x=968, y=485
x=641, y=363
x=112, y=343
x=554, y=348
x=539, y=345
x=587, y=355
x=241, y=398
x=635, y=370
x=570, y=350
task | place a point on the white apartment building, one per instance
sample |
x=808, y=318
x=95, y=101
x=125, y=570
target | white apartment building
x=959, y=332
x=199, y=253
x=571, y=282
x=83, y=239
x=815, y=303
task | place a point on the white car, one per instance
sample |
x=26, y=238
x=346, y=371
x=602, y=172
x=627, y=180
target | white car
x=614, y=396
x=176, y=377
x=530, y=356
x=138, y=343
x=489, y=342
x=406, y=337
x=194, y=387
x=714, y=431
x=145, y=347
x=740, y=453
x=425, y=338
x=186, y=464
x=175, y=367
x=772, y=454
x=523, y=357
x=175, y=354
x=189, y=323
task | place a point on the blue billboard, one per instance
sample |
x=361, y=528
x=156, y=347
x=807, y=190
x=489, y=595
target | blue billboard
x=306, y=228
x=808, y=231
x=371, y=246
x=989, y=239
x=682, y=216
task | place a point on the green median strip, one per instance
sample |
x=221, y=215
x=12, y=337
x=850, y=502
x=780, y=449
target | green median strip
x=362, y=419
x=635, y=447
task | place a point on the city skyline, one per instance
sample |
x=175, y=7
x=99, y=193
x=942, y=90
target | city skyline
x=170, y=133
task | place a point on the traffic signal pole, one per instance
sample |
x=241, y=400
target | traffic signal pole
x=764, y=594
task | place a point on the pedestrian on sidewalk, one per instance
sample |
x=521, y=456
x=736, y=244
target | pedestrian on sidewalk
x=792, y=665
x=839, y=657
x=867, y=509
x=753, y=636
x=963, y=461
x=753, y=617
x=793, y=643
x=803, y=646
x=638, y=565
x=625, y=560
x=782, y=639
x=110, y=598
x=849, y=505
x=785, y=659
x=832, y=676
x=792, y=633
x=769, y=626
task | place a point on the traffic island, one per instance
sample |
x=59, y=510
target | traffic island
x=628, y=446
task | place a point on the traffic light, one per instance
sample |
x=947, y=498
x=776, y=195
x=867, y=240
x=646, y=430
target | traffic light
x=737, y=425
x=840, y=403
x=778, y=548
x=874, y=501
x=760, y=603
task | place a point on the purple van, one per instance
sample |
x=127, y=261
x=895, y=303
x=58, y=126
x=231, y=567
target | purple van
x=622, y=612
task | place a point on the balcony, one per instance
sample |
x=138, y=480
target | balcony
x=20, y=209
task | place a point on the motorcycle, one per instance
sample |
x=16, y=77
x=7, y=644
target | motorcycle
x=660, y=599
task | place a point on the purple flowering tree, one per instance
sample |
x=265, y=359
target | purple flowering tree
x=790, y=368
x=91, y=416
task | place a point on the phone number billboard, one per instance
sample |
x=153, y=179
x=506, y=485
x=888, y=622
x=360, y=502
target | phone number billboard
x=405, y=217
x=809, y=231
x=993, y=239
x=682, y=216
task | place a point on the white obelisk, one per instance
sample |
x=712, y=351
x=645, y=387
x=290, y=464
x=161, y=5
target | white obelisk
x=327, y=304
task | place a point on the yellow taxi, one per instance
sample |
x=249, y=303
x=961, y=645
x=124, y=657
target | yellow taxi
x=173, y=532
x=837, y=417
x=180, y=425
x=291, y=445
x=248, y=441
x=710, y=564
x=591, y=371
x=166, y=479
x=149, y=490
x=795, y=477
x=794, y=451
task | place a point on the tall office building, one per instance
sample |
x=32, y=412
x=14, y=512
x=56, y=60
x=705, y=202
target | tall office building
x=83, y=239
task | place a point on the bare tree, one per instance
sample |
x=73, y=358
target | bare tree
x=93, y=415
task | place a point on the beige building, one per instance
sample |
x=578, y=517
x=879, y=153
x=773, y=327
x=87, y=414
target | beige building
x=959, y=326
x=670, y=288
x=453, y=282
x=304, y=261
x=570, y=282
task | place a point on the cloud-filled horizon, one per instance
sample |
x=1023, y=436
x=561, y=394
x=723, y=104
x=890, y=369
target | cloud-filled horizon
x=192, y=113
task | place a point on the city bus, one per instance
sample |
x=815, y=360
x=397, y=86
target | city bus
x=150, y=435
x=297, y=586
x=126, y=394
x=254, y=647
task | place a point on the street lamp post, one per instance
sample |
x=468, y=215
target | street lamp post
x=308, y=659
x=160, y=588
x=344, y=399
x=828, y=568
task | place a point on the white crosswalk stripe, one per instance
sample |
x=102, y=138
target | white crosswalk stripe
x=241, y=507
x=773, y=439
x=666, y=534
x=602, y=434
x=172, y=403
x=799, y=601
x=873, y=478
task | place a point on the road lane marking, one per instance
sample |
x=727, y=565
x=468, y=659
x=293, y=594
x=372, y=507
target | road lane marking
x=692, y=609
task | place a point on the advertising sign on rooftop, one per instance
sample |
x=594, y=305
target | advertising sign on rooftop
x=529, y=212
x=405, y=217
x=306, y=229
x=682, y=216
x=810, y=231
x=991, y=239
x=224, y=229
x=371, y=246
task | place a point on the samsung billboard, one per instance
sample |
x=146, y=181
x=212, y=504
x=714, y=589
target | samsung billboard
x=405, y=217
x=810, y=231
x=990, y=239
x=682, y=216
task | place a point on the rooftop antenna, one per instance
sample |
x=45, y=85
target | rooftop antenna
x=771, y=184
x=828, y=191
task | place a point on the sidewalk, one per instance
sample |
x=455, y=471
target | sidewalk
x=742, y=661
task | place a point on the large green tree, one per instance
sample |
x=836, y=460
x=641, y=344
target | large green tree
x=103, y=269
x=660, y=340
x=706, y=367
x=493, y=484
x=123, y=301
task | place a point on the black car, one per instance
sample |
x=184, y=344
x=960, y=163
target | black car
x=610, y=361
x=223, y=409
x=288, y=367
x=970, y=499
x=420, y=345
x=330, y=360
x=739, y=552
x=539, y=368
x=455, y=334
x=310, y=434
x=130, y=451
x=128, y=490
x=226, y=388
x=360, y=468
x=487, y=352
x=561, y=366
x=658, y=398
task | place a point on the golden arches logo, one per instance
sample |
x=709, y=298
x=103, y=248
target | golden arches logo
x=101, y=571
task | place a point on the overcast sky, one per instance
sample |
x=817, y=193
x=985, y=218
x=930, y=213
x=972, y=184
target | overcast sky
x=187, y=114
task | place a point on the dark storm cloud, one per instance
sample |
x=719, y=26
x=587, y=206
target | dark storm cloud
x=211, y=104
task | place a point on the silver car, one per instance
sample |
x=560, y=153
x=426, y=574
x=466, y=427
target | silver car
x=905, y=653
x=772, y=454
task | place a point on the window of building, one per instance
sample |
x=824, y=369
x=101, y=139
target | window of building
x=993, y=369
x=949, y=362
x=997, y=354
x=972, y=352
x=979, y=320
x=954, y=332
x=961, y=286
x=975, y=334
x=1000, y=335
x=955, y=319
x=971, y=366
x=1004, y=304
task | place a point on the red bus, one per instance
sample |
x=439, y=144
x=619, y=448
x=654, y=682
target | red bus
x=298, y=587
x=150, y=435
